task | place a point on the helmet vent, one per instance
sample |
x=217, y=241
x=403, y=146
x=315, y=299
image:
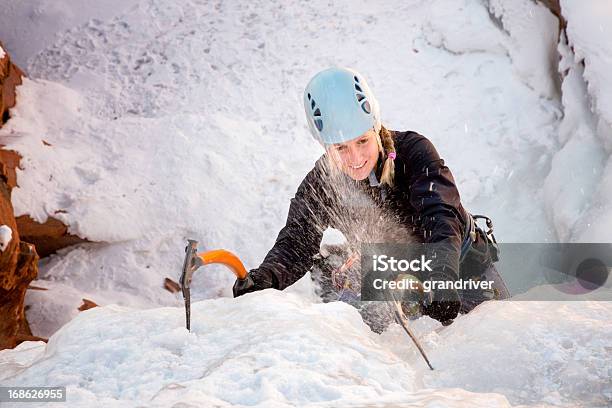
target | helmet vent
x=318, y=121
x=366, y=107
x=361, y=98
x=319, y=124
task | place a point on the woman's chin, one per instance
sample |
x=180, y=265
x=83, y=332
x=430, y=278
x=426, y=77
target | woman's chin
x=360, y=177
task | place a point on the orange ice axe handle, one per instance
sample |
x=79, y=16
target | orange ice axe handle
x=193, y=261
x=226, y=258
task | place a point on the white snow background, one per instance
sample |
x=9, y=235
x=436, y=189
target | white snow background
x=167, y=120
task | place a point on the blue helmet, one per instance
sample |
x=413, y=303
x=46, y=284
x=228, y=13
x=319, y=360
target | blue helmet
x=340, y=106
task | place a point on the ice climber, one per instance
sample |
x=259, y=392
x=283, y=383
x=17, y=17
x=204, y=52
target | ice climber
x=371, y=184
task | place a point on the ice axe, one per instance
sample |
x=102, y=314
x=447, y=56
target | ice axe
x=193, y=261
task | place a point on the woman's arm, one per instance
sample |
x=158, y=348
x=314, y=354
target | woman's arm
x=434, y=195
x=299, y=240
x=441, y=219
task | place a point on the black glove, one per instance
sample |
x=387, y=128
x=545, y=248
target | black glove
x=444, y=306
x=251, y=283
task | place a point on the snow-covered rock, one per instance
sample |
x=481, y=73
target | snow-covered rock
x=579, y=184
x=10, y=77
x=18, y=266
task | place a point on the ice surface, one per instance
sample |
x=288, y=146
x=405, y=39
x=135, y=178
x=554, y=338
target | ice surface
x=276, y=348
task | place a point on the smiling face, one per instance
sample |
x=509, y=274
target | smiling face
x=357, y=157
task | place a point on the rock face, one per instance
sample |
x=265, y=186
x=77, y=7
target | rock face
x=18, y=267
x=9, y=161
x=18, y=259
x=47, y=237
x=53, y=234
x=10, y=77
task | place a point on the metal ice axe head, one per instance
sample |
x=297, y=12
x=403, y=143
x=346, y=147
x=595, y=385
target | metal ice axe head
x=193, y=261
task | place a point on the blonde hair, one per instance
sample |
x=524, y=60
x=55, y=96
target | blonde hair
x=386, y=146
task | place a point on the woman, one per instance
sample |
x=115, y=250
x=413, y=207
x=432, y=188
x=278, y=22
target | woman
x=373, y=179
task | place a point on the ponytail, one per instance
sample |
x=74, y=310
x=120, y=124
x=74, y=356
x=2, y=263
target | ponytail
x=388, y=150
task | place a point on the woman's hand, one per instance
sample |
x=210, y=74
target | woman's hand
x=444, y=306
x=251, y=283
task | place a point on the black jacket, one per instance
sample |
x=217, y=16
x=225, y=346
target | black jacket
x=424, y=200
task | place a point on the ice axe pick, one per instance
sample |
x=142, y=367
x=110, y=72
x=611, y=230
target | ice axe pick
x=193, y=261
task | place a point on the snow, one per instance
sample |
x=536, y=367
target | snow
x=282, y=349
x=580, y=161
x=588, y=33
x=6, y=234
x=586, y=130
x=41, y=20
x=523, y=31
x=147, y=122
x=139, y=107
